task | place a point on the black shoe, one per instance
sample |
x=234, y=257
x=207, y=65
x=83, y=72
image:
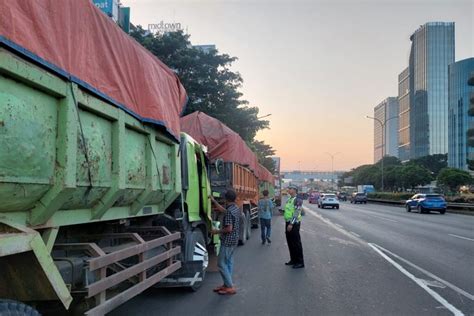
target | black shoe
x=263, y=242
x=298, y=266
x=268, y=240
x=289, y=263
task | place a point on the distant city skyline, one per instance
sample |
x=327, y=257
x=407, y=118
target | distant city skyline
x=318, y=67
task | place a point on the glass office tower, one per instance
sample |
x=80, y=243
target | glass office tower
x=432, y=50
x=387, y=113
x=458, y=119
x=404, y=115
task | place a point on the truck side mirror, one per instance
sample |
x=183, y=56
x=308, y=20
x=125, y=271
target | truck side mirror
x=219, y=164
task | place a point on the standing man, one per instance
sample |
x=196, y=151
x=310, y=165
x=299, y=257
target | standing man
x=265, y=211
x=292, y=217
x=229, y=240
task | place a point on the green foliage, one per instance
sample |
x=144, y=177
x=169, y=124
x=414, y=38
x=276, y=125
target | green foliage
x=396, y=176
x=413, y=175
x=211, y=85
x=433, y=163
x=389, y=161
x=390, y=196
x=264, y=153
x=453, y=178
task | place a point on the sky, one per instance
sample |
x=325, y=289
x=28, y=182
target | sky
x=318, y=67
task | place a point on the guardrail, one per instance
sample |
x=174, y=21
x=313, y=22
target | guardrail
x=451, y=206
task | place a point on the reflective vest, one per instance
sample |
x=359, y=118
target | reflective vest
x=290, y=210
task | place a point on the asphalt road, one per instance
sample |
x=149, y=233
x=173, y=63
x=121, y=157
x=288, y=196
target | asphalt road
x=360, y=260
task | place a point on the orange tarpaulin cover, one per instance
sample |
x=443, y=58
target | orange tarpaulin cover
x=222, y=142
x=77, y=40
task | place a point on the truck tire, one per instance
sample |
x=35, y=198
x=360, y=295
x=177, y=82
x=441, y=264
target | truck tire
x=249, y=225
x=13, y=308
x=243, y=230
x=200, y=253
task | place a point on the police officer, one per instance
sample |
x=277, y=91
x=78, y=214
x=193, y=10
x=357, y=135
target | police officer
x=292, y=215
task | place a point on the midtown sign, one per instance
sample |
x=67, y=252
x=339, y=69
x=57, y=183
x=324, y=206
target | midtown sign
x=163, y=27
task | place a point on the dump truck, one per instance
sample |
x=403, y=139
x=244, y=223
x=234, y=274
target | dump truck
x=233, y=165
x=102, y=195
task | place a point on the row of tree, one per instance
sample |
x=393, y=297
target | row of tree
x=211, y=85
x=401, y=176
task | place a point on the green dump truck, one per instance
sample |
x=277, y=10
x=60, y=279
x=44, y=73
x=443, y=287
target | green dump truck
x=101, y=196
x=96, y=206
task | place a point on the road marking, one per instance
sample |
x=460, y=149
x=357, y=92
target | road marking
x=357, y=235
x=381, y=217
x=359, y=240
x=461, y=237
x=431, y=275
x=340, y=226
x=435, y=295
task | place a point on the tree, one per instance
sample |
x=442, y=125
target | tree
x=453, y=178
x=264, y=153
x=434, y=163
x=414, y=175
x=393, y=177
x=211, y=85
x=389, y=161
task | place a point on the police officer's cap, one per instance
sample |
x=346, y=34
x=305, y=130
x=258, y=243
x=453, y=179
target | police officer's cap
x=294, y=187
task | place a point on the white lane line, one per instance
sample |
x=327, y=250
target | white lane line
x=340, y=226
x=431, y=275
x=359, y=240
x=381, y=217
x=461, y=237
x=435, y=295
x=357, y=235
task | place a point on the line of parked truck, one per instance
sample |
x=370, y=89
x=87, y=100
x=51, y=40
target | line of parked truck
x=104, y=187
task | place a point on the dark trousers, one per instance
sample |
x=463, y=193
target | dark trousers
x=293, y=239
x=266, y=228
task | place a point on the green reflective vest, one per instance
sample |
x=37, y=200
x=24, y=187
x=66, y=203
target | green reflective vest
x=290, y=210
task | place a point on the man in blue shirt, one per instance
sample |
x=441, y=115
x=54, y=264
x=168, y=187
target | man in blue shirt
x=265, y=210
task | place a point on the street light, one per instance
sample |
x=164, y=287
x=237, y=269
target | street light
x=382, y=125
x=332, y=165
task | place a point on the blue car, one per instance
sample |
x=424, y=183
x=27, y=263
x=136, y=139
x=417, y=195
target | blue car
x=425, y=203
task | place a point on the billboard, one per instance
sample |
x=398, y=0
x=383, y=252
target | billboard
x=109, y=7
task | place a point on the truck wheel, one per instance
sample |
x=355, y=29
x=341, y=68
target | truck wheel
x=243, y=230
x=199, y=254
x=249, y=225
x=13, y=308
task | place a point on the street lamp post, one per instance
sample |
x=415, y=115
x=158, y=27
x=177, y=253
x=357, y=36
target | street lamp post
x=332, y=165
x=382, y=125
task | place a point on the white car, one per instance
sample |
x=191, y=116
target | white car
x=328, y=200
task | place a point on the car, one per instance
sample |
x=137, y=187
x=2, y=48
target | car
x=342, y=196
x=359, y=197
x=328, y=200
x=425, y=203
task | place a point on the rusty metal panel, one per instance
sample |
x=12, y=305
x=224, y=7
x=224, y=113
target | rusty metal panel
x=100, y=262
x=104, y=284
x=126, y=295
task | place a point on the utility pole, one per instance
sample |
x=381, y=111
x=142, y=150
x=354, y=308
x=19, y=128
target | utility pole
x=332, y=166
x=382, y=125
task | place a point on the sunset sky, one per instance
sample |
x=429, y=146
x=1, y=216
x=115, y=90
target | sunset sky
x=319, y=67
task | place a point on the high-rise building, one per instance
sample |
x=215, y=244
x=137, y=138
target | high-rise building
x=386, y=114
x=404, y=115
x=458, y=119
x=432, y=50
